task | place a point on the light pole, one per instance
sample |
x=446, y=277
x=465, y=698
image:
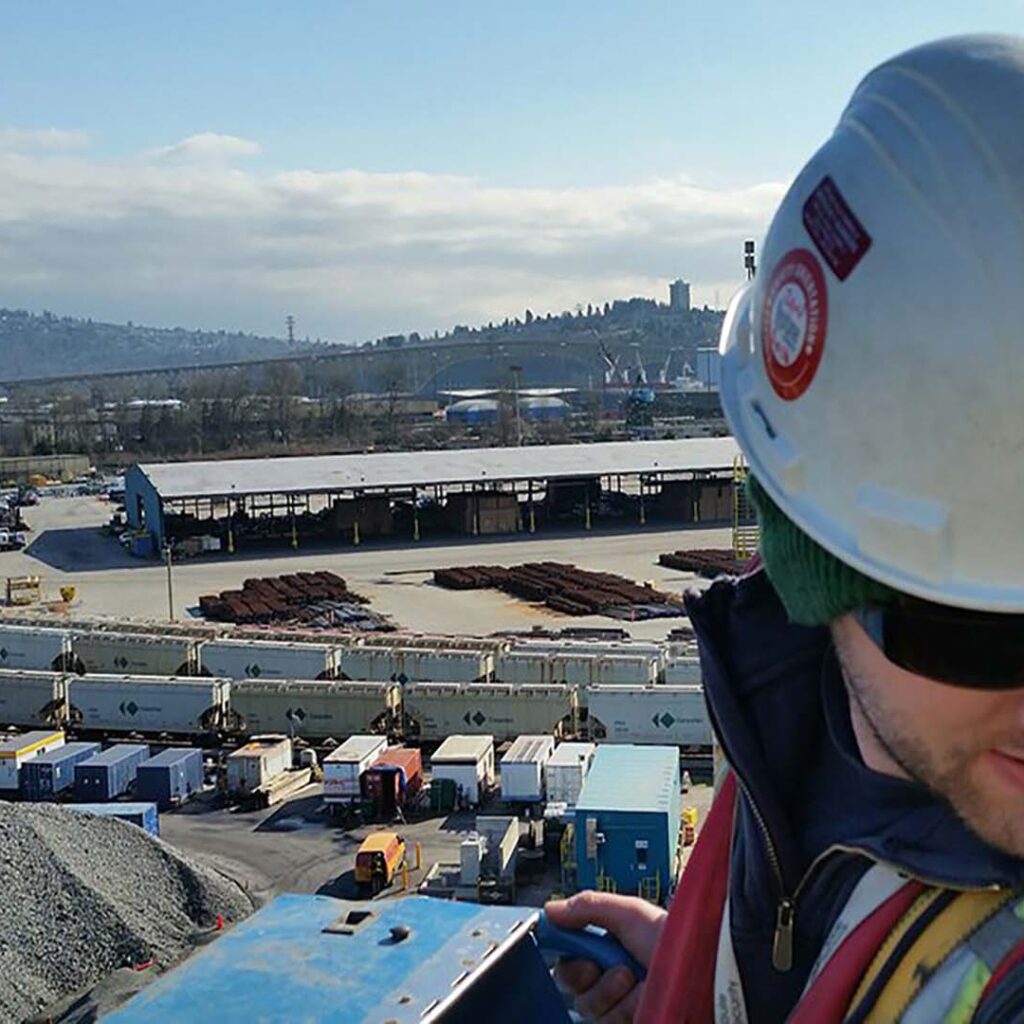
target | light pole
x=516, y=370
x=170, y=582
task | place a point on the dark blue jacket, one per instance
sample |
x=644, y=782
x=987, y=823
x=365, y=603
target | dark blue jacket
x=779, y=708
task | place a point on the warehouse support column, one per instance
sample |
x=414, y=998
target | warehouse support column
x=355, y=531
x=529, y=503
x=643, y=510
x=586, y=513
x=415, y=517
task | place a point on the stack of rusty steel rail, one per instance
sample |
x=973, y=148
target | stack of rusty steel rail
x=566, y=589
x=302, y=597
x=707, y=562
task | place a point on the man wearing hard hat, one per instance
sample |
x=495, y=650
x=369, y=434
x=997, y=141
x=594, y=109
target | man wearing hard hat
x=864, y=859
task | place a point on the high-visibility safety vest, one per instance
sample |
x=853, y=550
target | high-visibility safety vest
x=900, y=950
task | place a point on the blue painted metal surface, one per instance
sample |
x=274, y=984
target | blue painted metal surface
x=627, y=821
x=145, y=816
x=109, y=773
x=143, y=509
x=49, y=774
x=304, y=959
x=170, y=777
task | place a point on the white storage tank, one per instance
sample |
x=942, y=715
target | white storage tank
x=436, y=710
x=262, y=759
x=653, y=714
x=315, y=708
x=136, y=654
x=684, y=670
x=32, y=698
x=266, y=659
x=344, y=767
x=14, y=752
x=468, y=761
x=522, y=769
x=566, y=770
x=187, y=706
x=34, y=647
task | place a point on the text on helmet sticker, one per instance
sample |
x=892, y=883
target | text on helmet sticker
x=839, y=236
x=793, y=323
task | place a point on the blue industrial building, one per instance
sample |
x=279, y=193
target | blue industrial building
x=627, y=822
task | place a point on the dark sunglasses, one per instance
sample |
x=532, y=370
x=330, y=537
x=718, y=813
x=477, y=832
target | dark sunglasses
x=978, y=650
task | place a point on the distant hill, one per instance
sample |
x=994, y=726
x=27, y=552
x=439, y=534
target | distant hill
x=42, y=345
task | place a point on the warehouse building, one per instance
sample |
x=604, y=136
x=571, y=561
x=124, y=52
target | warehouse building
x=249, y=502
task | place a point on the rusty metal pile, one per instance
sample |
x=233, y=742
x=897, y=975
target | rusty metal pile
x=706, y=562
x=320, y=599
x=566, y=589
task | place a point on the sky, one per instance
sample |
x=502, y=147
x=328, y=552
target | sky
x=381, y=167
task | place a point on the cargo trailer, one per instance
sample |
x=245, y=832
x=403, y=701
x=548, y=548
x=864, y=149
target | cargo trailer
x=265, y=659
x=316, y=709
x=343, y=768
x=468, y=761
x=627, y=822
x=17, y=750
x=145, y=815
x=35, y=647
x=566, y=771
x=110, y=774
x=32, y=698
x=256, y=764
x=393, y=780
x=649, y=714
x=53, y=772
x=170, y=778
x=136, y=654
x=435, y=710
x=522, y=769
x=186, y=706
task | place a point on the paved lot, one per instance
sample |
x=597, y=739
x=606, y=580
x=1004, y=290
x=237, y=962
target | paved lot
x=66, y=547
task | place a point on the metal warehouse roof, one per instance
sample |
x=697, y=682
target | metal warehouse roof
x=630, y=778
x=300, y=474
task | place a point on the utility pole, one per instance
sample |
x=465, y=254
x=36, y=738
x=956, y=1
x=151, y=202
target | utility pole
x=170, y=583
x=516, y=370
x=289, y=322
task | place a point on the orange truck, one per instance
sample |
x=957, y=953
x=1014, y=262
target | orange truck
x=379, y=859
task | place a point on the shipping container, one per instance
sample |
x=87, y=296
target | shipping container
x=171, y=777
x=136, y=654
x=566, y=771
x=649, y=714
x=436, y=710
x=144, y=815
x=49, y=774
x=316, y=709
x=627, y=822
x=394, y=778
x=344, y=767
x=683, y=670
x=522, y=769
x=262, y=759
x=35, y=647
x=468, y=761
x=184, y=706
x=265, y=659
x=16, y=750
x=109, y=774
x=32, y=698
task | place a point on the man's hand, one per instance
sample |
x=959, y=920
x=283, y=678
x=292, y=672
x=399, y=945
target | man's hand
x=610, y=997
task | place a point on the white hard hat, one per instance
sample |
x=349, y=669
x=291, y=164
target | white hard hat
x=873, y=373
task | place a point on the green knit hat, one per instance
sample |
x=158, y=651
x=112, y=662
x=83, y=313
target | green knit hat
x=813, y=585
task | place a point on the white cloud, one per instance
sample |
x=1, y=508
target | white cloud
x=46, y=139
x=353, y=254
x=208, y=147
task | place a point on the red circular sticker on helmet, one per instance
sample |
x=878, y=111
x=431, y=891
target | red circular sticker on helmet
x=793, y=323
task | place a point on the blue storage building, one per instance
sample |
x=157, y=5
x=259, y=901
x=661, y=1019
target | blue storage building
x=110, y=773
x=627, y=823
x=143, y=815
x=49, y=774
x=171, y=777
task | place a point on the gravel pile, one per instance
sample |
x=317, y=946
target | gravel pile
x=81, y=896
